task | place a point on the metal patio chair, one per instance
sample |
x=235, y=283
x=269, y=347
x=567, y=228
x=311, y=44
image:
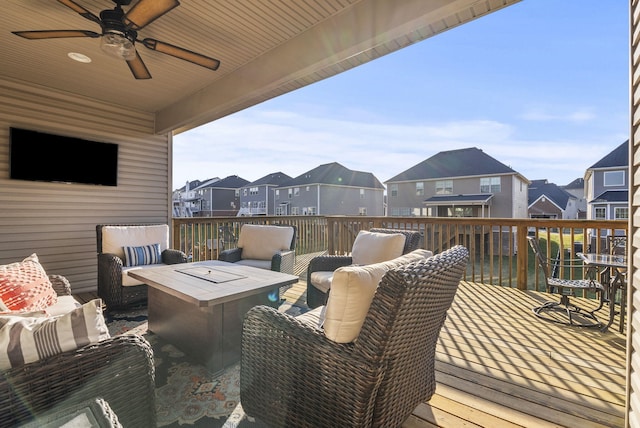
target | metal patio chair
x=565, y=288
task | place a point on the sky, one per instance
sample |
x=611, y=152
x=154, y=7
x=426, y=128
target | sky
x=541, y=86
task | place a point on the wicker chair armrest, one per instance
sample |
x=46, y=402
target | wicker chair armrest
x=119, y=369
x=328, y=263
x=232, y=255
x=111, y=260
x=280, y=353
x=171, y=256
x=61, y=285
x=284, y=262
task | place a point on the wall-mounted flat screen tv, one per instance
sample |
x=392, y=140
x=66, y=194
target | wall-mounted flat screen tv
x=39, y=156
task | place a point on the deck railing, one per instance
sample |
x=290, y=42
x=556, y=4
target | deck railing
x=493, y=243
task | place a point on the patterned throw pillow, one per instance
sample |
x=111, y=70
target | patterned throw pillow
x=25, y=286
x=144, y=255
x=25, y=339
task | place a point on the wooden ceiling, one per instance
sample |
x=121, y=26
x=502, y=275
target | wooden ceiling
x=266, y=48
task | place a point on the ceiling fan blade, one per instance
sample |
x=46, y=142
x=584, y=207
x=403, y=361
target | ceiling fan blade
x=55, y=34
x=138, y=69
x=182, y=53
x=80, y=10
x=146, y=11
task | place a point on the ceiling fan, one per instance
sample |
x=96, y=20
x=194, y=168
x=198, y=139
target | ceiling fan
x=120, y=33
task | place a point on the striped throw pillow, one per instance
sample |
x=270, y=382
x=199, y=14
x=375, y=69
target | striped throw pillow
x=25, y=339
x=143, y=255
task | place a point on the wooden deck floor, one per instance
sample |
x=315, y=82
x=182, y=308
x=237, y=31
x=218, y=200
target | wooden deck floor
x=500, y=366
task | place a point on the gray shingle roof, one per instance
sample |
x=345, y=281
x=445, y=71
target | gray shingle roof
x=230, y=182
x=336, y=174
x=618, y=157
x=276, y=178
x=478, y=199
x=454, y=163
x=612, y=196
x=551, y=191
x=578, y=183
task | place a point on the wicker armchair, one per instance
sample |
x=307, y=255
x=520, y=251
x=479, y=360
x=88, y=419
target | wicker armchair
x=119, y=370
x=279, y=260
x=292, y=375
x=317, y=297
x=110, y=272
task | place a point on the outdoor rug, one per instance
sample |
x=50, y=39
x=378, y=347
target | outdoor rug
x=186, y=392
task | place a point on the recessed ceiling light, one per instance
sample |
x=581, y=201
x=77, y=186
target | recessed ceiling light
x=79, y=57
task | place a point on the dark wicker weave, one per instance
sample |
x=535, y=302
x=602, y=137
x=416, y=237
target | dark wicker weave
x=316, y=297
x=120, y=370
x=110, y=288
x=292, y=375
x=281, y=262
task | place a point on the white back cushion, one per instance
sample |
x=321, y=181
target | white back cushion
x=352, y=291
x=262, y=242
x=115, y=238
x=374, y=247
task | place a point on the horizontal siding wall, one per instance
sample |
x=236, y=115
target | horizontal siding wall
x=56, y=220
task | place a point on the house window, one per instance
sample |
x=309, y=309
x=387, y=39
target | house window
x=295, y=211
x=280, y=210
x=444, y=187
x=277, y=194
x=290, y=193
x=419, y=188
x=237, y=193
x=311, y=210
x=362, y=211
x=296, y=191
x=393, y=190
x=253, y=191
x=244, y=192
x=490, y=185
x=308, y=188
x=401, y=212
x=622, y=213
x=461, y=212
x=614, y=178
x=361, y=193
x=600, y=213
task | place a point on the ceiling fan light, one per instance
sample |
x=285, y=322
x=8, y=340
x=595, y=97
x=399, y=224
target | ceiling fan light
x=117, y=45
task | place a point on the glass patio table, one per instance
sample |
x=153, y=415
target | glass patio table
x=614, y=271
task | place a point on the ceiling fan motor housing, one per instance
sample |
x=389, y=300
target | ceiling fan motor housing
x=117, y=40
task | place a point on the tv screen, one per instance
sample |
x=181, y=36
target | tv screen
x=39, y=156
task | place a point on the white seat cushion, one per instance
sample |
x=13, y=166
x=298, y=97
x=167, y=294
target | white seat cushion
x=374, y=247
x=128, y=281
x=262, y=242
x=322, y=280
x=64, y=305
x=115, y=238
x=262, y=264
x=352, y=291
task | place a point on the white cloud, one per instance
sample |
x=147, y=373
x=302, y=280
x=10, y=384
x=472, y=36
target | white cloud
x=253, y=143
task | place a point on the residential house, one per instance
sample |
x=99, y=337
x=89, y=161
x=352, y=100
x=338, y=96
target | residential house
x=458, y=183
x=548, y=200
x=255, y=196
x=576, y=188
x=219, y=197
x=607, y=187
x=184, y=199
x=330, y=189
